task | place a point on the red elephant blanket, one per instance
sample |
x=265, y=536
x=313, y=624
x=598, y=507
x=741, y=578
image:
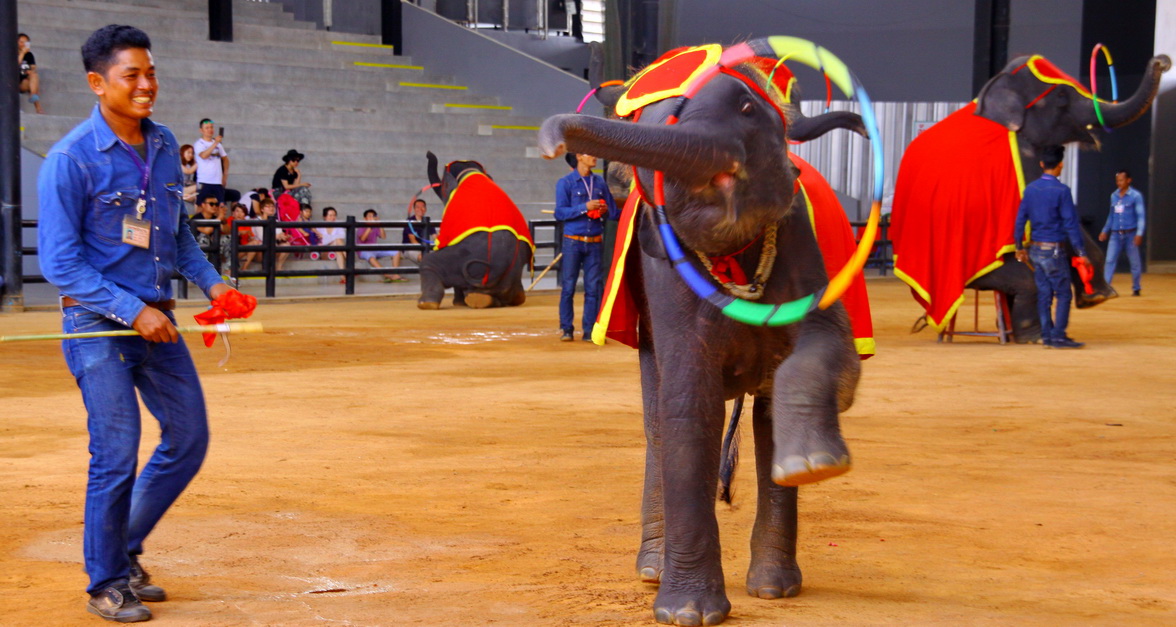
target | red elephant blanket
x=479, y=204
x=618, y=313
x=955, y=204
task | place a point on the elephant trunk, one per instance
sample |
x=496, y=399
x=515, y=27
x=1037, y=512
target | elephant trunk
x=1126, y=112
x=802, y=128
x=683, y=155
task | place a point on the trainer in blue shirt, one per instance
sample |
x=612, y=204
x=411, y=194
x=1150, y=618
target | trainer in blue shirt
x=582, y=203
x=1048, y=206
x=1124, y=229
x=110, y=237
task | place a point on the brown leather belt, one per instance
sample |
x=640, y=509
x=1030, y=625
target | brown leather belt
x=1045, y=245
x=1123, y=231
x=163, y=305
x=589, y=240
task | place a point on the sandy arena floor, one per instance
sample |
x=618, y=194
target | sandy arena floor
x=373, y=464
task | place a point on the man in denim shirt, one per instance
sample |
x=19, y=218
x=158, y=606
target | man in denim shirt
x=582, y=203
x=1124, y=228
x=1049, y=208
x=110, y=236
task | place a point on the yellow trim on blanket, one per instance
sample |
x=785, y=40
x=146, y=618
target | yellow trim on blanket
x=864, y=345
x=490, y=229
x=599, y=331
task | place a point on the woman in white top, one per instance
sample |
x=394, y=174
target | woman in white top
x=333, y=236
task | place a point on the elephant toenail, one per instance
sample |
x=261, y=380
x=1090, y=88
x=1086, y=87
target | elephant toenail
x=663, y=616
x=769, y=592
x=688, y=619
x=792, y=591
x=714, y=618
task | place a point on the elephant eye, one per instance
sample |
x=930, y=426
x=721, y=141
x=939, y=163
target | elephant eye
x=746, y=107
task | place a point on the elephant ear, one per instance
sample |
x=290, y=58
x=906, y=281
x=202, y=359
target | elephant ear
x=434, y=178
x=1000, y=102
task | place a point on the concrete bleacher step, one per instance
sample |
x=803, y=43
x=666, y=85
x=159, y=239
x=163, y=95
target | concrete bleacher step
x=282, y=84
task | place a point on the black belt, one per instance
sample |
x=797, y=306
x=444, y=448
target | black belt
x=163, y=305
x=1123, y=231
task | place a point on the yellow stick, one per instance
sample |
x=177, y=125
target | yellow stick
x=224, y=327
x=545, y=271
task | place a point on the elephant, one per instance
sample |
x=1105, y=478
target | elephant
x=728, y=181
x=483, y=244
x=960, y=182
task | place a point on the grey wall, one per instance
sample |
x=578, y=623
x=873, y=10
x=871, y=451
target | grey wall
x=529, y=85
x=563, y=52
x=1051, y=28
x=1161, y=196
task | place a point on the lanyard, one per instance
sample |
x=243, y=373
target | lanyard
x=141, y=206
x=588, y=184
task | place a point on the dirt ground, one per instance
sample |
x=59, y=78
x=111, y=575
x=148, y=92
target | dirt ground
x=373, y=464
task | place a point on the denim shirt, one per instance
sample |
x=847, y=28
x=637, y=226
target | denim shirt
x=1132, y=215
x=1049, y=208
x=88, y=183
x=571, y=199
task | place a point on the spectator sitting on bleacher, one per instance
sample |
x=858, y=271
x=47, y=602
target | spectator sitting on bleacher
x=245, y=236
x=413, y=234
x=371, y=235
x=255, y=197
x=188, y=165
x=269, y=211
x=30, y=82
x=288, y=178
x=211, y=209
x=333, y=236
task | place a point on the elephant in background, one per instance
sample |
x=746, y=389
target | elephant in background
x=728, y=181
x=959, y=186
x=483, y=243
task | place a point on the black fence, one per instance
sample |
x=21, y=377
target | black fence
x=547, y=234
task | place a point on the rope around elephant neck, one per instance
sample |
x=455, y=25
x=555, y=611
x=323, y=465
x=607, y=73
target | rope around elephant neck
x=754, y=289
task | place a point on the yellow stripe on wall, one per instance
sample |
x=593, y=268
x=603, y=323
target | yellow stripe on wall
x=432, y=86
x=390, y=65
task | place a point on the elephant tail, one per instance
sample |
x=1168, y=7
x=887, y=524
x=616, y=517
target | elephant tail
x=729, y=458
x=486, y=279
x=919, y=324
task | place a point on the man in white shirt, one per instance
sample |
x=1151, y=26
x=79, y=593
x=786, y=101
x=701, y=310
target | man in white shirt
x=212, y=162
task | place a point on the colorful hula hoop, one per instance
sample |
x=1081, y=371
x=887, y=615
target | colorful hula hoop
x=1094, y=80
x=592, y=91
x=764, y=314
x=412, y=202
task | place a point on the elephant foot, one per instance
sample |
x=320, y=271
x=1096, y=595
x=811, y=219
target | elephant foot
x=709, y=607
x=459, y=303
x=477, y=300
x=422, y=304
x=796, y=470
x=1084, y=300
x=773, y=575
x=649, y=560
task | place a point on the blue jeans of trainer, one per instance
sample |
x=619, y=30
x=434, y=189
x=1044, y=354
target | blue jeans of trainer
x=121, y=510
x=576, y=256
x=1116, y=243
x=1051, y=271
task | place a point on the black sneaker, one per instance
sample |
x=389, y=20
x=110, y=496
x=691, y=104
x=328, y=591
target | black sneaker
x=567, y=336
x=142, y=586
x=1066, y=343
x=119, y=604
x=1135, y=292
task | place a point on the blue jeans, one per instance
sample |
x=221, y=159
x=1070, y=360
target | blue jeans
x=577, y=255
x=1051, y=271
x=1117, y=243
x=120, y=508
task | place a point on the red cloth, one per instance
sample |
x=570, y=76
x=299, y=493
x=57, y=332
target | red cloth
x=479, y=204
x=618, y=313
x=955, y=205
x=231, y=304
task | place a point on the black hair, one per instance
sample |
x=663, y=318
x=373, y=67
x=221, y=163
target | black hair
x=204, y=121
x=19, y=35
x=205, y=197
x=371, y=211
x=304, y=207
x=1051, y=156
x=420, y=200
x=1124, y=171
x=103, y=44
x=327, y=210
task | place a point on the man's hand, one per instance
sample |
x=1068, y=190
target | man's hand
x=1139, y=240
x=1023, y=255
x=1085, y=261
x=155, y=326
x=218, y=290
x=1102, y=237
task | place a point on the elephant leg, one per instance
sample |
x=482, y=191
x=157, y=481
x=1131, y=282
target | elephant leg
x=459, y=297
x=689, y=426
x=1016, y=280
x=813, y=385
x=773, y=572
x=650, y=555
x=1099, y=283
x=432, y=287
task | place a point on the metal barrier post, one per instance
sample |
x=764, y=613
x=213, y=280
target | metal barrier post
x=271, y=257
x=349, y=263
x=11, y=263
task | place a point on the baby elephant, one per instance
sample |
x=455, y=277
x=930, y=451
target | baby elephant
x=482, y=246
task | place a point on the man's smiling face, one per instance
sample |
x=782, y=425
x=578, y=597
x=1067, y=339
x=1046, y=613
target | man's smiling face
x=128, y=87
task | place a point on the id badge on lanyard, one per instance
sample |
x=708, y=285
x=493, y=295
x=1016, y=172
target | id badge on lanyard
x=135, y=230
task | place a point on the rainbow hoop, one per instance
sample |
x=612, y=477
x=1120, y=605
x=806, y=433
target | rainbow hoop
x=1094, y=81
x=763, y=314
